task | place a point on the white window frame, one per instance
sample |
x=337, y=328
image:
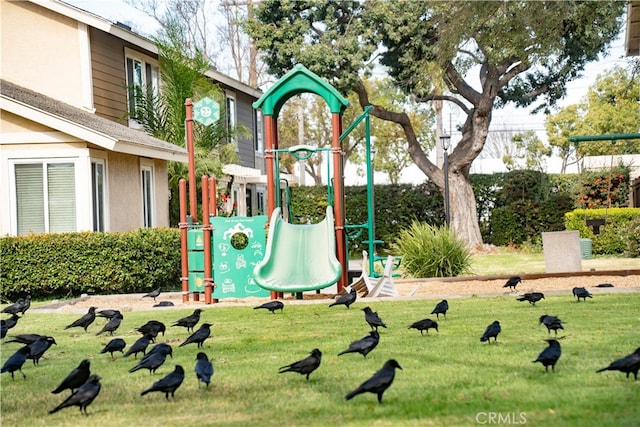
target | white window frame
x=259, y=132
x=231, y=109
x=105, y=217
x=145, y=61
x=148, y=199
x=43, y=162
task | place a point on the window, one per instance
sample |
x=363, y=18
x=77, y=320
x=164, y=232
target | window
x=45, y=197
x=258, y=132
x=147, y=197
x=97, y=194
x=231, y=116
x=142, y=77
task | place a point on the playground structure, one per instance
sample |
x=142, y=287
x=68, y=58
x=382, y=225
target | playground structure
x=297, y=257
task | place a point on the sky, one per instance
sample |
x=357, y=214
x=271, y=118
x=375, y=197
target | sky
x=510, y=118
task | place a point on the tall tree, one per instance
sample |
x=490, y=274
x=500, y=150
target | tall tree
x=485, y=53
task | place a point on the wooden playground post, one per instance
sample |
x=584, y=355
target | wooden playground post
x=206, y=233
x=338, y=200
x=183, y=240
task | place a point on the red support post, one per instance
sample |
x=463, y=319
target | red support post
x=338, y=202
x=183, y=240
x=193, y=206
x=206, y=232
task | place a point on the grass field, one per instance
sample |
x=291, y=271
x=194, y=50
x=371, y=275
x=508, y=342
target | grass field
x=448, y=378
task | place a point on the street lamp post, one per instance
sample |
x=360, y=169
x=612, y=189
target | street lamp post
x=445, y=140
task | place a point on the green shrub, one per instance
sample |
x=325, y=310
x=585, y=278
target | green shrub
x=610, y=240
x=69, y=264
x=431, y=251
x=631, y=239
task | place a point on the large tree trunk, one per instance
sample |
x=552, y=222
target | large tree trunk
x=464, y=219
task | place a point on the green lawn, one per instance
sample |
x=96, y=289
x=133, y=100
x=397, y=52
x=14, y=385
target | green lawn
x=448, y=378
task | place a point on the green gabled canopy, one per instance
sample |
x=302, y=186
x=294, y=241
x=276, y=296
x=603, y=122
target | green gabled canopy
x=299, y=80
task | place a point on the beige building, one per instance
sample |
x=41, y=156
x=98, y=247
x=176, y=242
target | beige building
x=70, y=159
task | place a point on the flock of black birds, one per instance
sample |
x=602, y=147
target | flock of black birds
x=81, y=382
x=85, y=386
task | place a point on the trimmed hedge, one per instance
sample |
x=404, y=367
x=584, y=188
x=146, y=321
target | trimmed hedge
x=69, y=264
x=615, y=236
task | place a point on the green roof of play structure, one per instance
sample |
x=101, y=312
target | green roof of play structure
x=297, y=81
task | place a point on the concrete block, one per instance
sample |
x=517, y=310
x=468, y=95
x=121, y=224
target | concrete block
x=562, y=252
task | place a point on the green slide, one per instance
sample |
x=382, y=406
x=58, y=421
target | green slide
x=299, y=257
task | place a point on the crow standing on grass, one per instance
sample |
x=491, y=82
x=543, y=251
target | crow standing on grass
x=581, y=293
x=16, y=361
x=153, y=294
x=152, y=360
x=152, y=328
x=140, y=346
x=441, y=308
x=12, y=321
x=116, y=344
x=272, y=306
x=551, y=322
x=112, y=324
x=25, y=339
x=532, y=297
x=346, y=299
x=550, y=355
x=199, y=336
x=108, y=313
x=492, y=331
x=363, y=345
x=76, y=378
x=169, y=384
x=305, y=366
x=379, y=382
x=629, y=364
x=82, y=397
x=189, y=321
x=203, y=369
x=424, y=325
x=372, y=318
x=512, y=283
x=39, y=347
x=85, y=320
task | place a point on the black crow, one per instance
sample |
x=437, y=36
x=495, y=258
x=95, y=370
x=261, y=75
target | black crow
x=604, y=285
x=76, y=378
x=25, y=338
x=199, y=336
x=363, y=345
x=531, y=297
x=83, y=396
x=189, y=321
x=372, y=318
x=160, y=347
x=550, y=355
x=39, y=347
x=14, y=308
x=305, y=366
x=272, y=306
x=116, y=344
x=629, y=364
x=25, y=305
x=85, y=320
x=346, y=299
x=581, y=293
x=441, y=308
x=152, y=361
x=12, y=321
x=203, y=369
x=424, y=325
x=551, y=322
x=112, y=324
x=512, y=283
x=164, y=304
x=169, y=384
x=153, y=294
x=15, y=361
x=492, y=331
x=379, y=382
x=108, y=314
x=152, y=328
x=140, y=346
